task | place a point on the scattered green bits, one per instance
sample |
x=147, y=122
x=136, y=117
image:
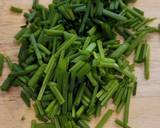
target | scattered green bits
x=71, y=62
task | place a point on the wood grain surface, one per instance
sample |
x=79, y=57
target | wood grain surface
x=145, y=107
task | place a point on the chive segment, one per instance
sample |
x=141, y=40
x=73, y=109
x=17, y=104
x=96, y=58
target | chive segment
x=106, y=116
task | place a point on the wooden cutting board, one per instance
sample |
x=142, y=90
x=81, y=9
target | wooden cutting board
x=145, y=107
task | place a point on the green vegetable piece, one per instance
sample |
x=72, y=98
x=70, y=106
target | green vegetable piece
x=80, y=9
x=33, y=124
x=1, y=63
x=110, y=94
x=49, y=70
x=100, y=48
x=147, y=62
x=79, y=94
x=120, y=50
x=28, y=69
x=77, y=66
x=98, y=110
x=126, y=110
x=66, y=45
x=92, y=79
x=34, y=43
x=7, y=83
x=104, y=119
x=56, y=93
x=32, y=83
x=25, y=98
x=40, y=109
x=85, y=17
x=80, y=111
x=114, y=15
x=83, y=71
x=56, y=122
x=16, y=9
x=86, y=43
x=93, y=100
x=120, y=123
x=44, y=49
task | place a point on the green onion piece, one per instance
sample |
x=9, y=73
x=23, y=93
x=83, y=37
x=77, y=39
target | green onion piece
x=100, y=93
x=77, y=66
x=33, y=124
x=83, y=124
x=56, y=93
x=100, y=48
x=80, y=111
x=120, y=123
x=16, y=9
x=9, y=63
x=32, y=83
x=73, y=112
x=56, y=122
x=49, y=70
x=86, y=43
x=55, y=110
x=93, y=100
x=91, y=79
x=104, y=119
x=25, y=98
x=79, y=94
x=28, y=69
x=118, y=100
x=34, y=43
x=65, y=92
x=52, y=32
x=129, y=74
x=66, y=44
x=113, y=15
x=120, y=50
x=98, y=110
x=119, y=107
x=1, y=63
x=85, y=17
x=126, y=110
x=147, y=62
x=110, y=94
x=84, y=71
x=80, y=9
x=50, y=107
x=92, y=31
x=44, y=49
x=70, y=101
x=7, y=83
x=40, y=109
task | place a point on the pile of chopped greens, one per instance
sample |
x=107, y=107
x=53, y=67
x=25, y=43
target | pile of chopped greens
x=72, y=61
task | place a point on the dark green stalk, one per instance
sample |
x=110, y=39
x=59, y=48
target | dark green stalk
x=32, y=83
x=1, y=63
x=34, y=43
x=7, y=83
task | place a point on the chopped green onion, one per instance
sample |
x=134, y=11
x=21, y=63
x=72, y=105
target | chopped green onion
x=16, y=9
x=104, y=119
x=57, y=94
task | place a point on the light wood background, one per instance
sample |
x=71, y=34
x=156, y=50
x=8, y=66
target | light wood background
x=145, y=107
